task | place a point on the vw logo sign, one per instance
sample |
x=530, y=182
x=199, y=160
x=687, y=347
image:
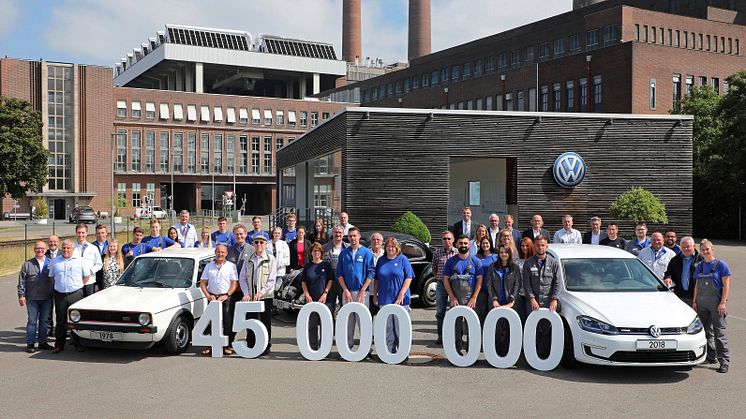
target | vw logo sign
x=655, y=331
x=569, y=170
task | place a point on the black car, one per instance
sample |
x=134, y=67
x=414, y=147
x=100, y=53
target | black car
x=289, y=294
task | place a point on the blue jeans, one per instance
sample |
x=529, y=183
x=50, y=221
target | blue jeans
x=38, y=314
x=441, y=302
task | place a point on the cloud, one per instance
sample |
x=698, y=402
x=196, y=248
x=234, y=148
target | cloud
x=101, y=32
x=9, y=15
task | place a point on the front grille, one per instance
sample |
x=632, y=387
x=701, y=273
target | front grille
x=653, y=357
x=646, y=330
x=109, y=316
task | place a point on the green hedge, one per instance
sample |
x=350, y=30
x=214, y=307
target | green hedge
x=409, y=223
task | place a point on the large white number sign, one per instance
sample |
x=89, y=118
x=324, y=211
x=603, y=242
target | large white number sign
x=212, y=318
x=344, y=317
x=529, y=340
x=301, y=331
x=401, y=315
x=461, y=313
x=488, y=337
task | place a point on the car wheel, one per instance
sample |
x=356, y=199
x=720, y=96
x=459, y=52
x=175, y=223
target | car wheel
x=568, y=354
x=179, y=336
x=427, y=293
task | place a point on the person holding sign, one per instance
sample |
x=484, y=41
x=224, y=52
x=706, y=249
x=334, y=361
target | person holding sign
x=218, y=283
x=541, y=284
x=393, y=277
x=462, y=278
x=257, y=280
x=355, y=272
x=316, y=280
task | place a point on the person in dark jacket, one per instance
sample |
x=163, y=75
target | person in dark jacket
x=503, y=280
x=300, y=250
x=35, y=291
x=316, y=280
x=537, y=229
x=541, y=285
x=680, y=271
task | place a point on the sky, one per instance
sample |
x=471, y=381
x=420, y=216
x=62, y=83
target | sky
x=103, y=31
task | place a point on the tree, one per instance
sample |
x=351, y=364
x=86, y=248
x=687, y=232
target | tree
x=23, y=158
x=411, y=224
x=638, y=204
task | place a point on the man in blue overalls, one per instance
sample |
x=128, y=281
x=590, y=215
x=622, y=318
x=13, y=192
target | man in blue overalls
x=462, y=279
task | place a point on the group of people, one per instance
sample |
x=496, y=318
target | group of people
x=488, y=267
x=480, y=266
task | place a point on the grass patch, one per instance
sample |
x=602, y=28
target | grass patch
x=12, y=257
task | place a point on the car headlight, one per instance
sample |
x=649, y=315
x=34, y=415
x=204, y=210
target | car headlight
x=589, y=324
x=144, y=319
x=695, y=327
x=75, y=316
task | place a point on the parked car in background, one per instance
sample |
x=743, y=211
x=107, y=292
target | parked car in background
x=289, y=294
x=83, y=214
x=157, y=299
x=145, y=212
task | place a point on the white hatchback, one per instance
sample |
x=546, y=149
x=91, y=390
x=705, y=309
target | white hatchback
x=157, y=299
x=617, y=312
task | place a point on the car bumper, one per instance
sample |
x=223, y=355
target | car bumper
x=116, y=344
x=287, y=305
x=621, y=350
x=133, y=329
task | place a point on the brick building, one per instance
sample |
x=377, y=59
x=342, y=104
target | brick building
x=74, y=101
x=618, y=56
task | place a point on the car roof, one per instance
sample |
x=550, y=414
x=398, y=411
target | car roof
x=588, y=251
x=386, y=234
x=191, y=253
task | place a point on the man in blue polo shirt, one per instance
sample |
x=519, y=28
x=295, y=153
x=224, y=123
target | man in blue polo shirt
x=132, y=250
x=289, y=232
x=155, y=240
x=222, y=235
x=355, y=271
x=462, y=279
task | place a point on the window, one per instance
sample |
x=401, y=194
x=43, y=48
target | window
x=490, y=65
x=455, y=72
x=508, y=101
x=230, y=152
x=397, y=87
x=136, y=110
x=708, y=43
x=730, y=45
x=267, y=155
x=204, y=113
x=597, y=93
x=611, y=34
x=570, y=87
x=515, y=59
x=178, y=152
x=715, y=83
x=415, y=82
x=637, y=32
x=701, y=42
x=217, y=154
x=291, y=119
x=544, y=50
x=324, y=116
x=217, y=114
x=702, y=81
x=136, y=195
x=322, y=195
x=255, y=119
x=191, y=113
x=591, y=39
x=652, y=95
x=559, y=47
x=150, y=151
x=136, y=147
x=405, y=85
x=478, y=66
x=488, y=103
x=686, y=39
x=521, y=101
x=726, y=86
x=583, y=95
x=689, y=85
x=738, y=47
x=557, y=88
x=268, y=117
x=230, y=116
x=662, y=40
x=544, y=99
x=470, y=104
x=149, y=110
x=121, y=109
x=254, y=155
x=243, y=154
x=530, y=54
x=164, y=111
x=314, y=119
x=303, y=118
x=435, y=76
x=444, y=75
x=243, y=116
x=280, y=118
x=677, y=40
x=499, y=103
x=645, y=33
x=425, y=80
x=479, y=103
x=676, y=92
x=670, y=37
x=502, y=61
x=467, y=71
x=121, y=192
x=191, y=152
x=150, y=192
x=121, y=150
x=163, y=148
x=178, y=112
x=279, y=143
x=722, y=44
x=204, y=154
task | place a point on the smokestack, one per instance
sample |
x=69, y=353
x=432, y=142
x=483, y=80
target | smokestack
x=419, y=29
x=351, y=50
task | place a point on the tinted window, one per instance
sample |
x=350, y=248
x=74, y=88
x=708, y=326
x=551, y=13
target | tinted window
x=609, y=275
x=159, y=272
x=412, y=251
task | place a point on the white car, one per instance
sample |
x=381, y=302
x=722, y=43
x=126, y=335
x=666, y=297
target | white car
x=157, y=299
x=617, y=312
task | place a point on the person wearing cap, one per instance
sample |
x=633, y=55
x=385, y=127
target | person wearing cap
x=257, y=280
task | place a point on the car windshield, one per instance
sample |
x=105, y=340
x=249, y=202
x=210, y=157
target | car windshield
x=609, y=275
x=158, y=272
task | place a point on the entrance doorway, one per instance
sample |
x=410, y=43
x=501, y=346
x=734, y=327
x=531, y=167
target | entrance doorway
x=485, y=184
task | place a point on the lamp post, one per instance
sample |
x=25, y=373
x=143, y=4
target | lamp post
x=502, y=105
x=445, y=90
x=113, y=167
x=588, y=83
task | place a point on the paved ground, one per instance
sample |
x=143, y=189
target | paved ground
x=111, y=383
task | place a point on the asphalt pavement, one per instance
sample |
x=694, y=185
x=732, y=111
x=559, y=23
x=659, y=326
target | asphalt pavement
x=118, y=383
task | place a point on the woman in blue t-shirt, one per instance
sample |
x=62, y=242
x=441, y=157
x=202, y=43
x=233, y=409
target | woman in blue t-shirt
x=710, y=303
x=391, y=286
x=316, y=280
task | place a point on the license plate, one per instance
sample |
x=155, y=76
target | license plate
x=656, y=345
x=106, y=336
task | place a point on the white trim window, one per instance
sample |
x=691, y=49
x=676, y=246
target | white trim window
x=178, y=112
x=192, y=113
x=204, y=113
x=164, y=111
x=121, y=109
x=136, y=109
x=217, y=114
x=149, y=110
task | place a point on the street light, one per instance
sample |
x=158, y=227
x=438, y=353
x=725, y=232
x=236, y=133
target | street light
x=502, y=105
x=113, y=167
x=445, y=90
x=588, y=83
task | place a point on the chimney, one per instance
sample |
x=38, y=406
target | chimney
x=419, y=29
x=351, y=50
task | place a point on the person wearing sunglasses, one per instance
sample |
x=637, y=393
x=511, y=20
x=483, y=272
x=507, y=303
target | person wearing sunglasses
x=441, y=255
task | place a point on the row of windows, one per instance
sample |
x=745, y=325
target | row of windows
x=215, y=114
x=688, y=81
x=685, y=39
x=136, y=192
x=184, y=153
x=560, y=47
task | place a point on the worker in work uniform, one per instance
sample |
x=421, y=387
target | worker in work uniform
x=462, y=278
x=541, y=284
x=712, y=278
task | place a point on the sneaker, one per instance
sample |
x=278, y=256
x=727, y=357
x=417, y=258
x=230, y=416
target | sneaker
x=30, y=348
x=45, y=346
x=723, y=368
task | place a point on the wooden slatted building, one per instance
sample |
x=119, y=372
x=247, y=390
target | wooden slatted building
x=394, y=160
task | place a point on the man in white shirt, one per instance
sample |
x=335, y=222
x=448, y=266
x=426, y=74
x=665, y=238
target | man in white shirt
x=218, y=282
x=494, y=230
x=567, y=234
x=186, y=232
x=657, y=256
x=90, y=253
x=344, y=221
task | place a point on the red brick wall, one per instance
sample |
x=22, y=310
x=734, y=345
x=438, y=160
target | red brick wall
x=96, y=127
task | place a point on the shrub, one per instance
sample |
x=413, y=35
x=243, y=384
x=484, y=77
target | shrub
x=42, y=209
x=639, y=204
x=411, y=224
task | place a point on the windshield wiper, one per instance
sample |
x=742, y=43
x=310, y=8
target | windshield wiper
x=156, y=283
